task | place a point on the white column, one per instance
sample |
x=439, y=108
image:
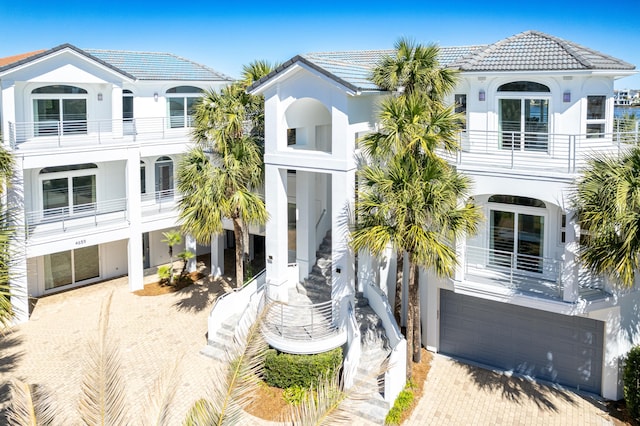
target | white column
x=276, y=241
x=342, y=197
x=116, y=110
x=217, y=255
x=134, y=202
x=191, y=245
x=18, y=278
x=8, y=108
x=430, y=310
x=305, y=225
x=571, y=269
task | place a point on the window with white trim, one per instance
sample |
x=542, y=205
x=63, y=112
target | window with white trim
x=68, y=189
x=59, y=110
x=71, y=267
x=181, y=103
x=596, y=116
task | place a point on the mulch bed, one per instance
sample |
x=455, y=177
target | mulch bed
x=158, y=288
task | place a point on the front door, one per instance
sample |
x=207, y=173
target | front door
x=524, y=124
x=517, y=240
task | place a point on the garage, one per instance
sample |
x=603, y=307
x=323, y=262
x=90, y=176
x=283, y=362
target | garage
x=558, y=348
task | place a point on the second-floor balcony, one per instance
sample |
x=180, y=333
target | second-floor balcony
x=529, y=151
x=535, y=276
x=42, y=135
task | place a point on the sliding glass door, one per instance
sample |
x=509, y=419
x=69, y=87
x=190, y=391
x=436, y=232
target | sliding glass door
x=524, y=124
x=516, y=240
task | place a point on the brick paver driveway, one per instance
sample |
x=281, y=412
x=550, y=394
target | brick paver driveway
x=154, y=332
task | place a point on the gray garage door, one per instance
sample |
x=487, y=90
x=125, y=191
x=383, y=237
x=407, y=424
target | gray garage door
x=558, y=348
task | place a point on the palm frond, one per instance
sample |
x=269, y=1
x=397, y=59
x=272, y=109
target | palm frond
x=103, y=391
x=32, y=406
x=161, y=396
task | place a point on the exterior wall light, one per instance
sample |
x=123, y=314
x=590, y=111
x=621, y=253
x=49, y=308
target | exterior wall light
x=481, y=95
x=566, y=96
x=100, y=97
x=338, y=270
x=155, y=96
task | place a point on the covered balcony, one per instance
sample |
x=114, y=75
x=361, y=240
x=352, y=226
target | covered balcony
x=534, y=151
x=535, y=276
x=42, y=135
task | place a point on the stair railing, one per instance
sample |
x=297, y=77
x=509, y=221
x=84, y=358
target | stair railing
x=354, y=345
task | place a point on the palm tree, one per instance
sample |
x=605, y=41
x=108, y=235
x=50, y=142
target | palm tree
x=396, y=205
x=607, y=202
x=171, y=239
x=219, y=176
x=415, y=204
x=6, y=233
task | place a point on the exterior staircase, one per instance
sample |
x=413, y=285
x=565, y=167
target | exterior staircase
x=219, y=346
x=316, y=288
x=369, y=378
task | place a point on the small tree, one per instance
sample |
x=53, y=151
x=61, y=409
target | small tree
x=171, y=238
x=632, y=382
x=185, y=256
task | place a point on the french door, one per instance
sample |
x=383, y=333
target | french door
x=517, y=240
x=524, y=124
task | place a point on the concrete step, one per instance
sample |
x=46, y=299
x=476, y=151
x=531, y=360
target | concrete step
x=372, y=411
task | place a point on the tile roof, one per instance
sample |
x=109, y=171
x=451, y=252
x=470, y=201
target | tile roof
x=536, y=51
x=157, y=65
x=135, y=65
x=527, y=51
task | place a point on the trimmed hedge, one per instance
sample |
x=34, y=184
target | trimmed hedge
x=403, y=402
x=632, y=382
x=286, y=370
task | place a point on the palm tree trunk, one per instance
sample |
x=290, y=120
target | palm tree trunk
x=410, y=335
x=397, y=305
x=414, y=297
x=237, y=233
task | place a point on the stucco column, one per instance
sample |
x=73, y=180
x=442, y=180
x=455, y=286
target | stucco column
x=116, y=110
x=276, y=242
x=305, y=225
x=570, y=272
x=217, y=255
x=342, y=268
x=18, y=274
x=134, y=202
x=191, y=245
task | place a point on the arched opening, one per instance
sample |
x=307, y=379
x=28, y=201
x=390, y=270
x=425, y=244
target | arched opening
x=308, y=124
x=164, y=177
x=59, y=109
x=181, y=102
x=68, y=189
x=524, y=116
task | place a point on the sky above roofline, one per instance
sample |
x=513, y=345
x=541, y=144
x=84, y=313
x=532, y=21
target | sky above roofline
x=226, y=36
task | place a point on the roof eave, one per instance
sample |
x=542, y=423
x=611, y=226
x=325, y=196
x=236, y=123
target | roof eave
x=40, y=56
x=261, y=85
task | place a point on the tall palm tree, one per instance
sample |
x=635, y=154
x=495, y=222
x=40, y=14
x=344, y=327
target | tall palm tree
x=405, y=175
x=607, y=201
x=414, y=203
x=6, y=233
x=219, y=176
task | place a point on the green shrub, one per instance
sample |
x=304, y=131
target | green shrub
x=286, y=370
x=295, y=395
x=403, y=402
x=164, y=273
x=632, y=382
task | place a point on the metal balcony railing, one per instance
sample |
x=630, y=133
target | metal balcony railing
x=302, y=322
x=159, y=201
x=51, y=134
x=537, y=150
x=83, y=215
x=521, y=272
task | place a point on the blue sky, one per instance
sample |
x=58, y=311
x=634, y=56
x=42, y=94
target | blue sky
x=225, y=36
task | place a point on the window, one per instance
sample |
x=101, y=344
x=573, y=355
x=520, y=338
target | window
x=68, y=189
x=291, y=137
x=596, y=109
x=524, y=119
x=59, y=110
x=181, y=103
x=70, y=267
x=143, y=178
x=164, y=177
x=461, y=108
x=127, y=105
x=563, y=228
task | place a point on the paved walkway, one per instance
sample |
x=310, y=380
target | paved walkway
x=154, y=332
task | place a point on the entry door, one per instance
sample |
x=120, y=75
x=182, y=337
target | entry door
x=524, y=124
x=164, y=179
x=517, y=240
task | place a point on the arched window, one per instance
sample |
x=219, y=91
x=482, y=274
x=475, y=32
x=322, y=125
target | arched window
x=59, y=109
x=164, y=177
x=524, y=116
x=523, y=86
x=181, y=101
x=68, y=190
x=517, y=200
x=143, y=177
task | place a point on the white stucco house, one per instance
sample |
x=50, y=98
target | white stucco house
x=536, y=106
x=96, y=135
